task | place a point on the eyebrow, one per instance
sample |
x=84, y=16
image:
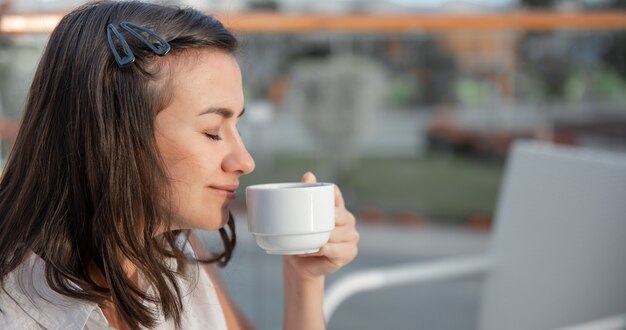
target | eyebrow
x=224, y=112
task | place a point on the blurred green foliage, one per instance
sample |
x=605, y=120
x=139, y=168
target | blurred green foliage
x=605, y=85
x=473, y=92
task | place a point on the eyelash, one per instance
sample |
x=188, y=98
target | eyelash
x=213, y=137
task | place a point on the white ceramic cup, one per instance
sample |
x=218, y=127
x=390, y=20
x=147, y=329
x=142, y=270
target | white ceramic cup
x=291, y=218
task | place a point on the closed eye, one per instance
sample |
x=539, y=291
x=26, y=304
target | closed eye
x=213, y=137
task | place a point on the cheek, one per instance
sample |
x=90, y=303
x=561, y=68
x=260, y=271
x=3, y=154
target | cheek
x=192, y=167
x=196, y=205
x=187, y=162
x=189, y=171
x=198, y=208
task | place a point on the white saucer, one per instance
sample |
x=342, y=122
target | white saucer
x=292, y=244
x=290, y=252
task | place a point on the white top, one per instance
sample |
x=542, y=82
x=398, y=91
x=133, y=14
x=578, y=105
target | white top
x=30, y=303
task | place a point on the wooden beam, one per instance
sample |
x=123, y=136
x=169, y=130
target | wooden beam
x=273, y=23
x=366, y=23
x=29, y=23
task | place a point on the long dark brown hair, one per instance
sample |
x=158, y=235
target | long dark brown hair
x=85, y=186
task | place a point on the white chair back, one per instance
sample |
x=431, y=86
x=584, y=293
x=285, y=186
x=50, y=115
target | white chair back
x=559, y=246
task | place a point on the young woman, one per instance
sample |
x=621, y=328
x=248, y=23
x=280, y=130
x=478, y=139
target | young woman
x=129, y=143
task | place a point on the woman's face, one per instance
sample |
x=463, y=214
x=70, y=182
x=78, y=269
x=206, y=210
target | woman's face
x=198, y=139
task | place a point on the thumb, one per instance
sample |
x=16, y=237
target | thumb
x=309, y=177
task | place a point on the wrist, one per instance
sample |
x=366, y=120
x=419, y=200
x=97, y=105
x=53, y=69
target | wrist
x=294, y=273
x=303, y=299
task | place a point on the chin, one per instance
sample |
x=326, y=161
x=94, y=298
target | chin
x=225, y=217
x=216, y=220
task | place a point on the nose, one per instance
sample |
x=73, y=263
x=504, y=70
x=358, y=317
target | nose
x=239, y=159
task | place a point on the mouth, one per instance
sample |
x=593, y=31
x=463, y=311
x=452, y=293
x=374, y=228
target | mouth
x=228, y=191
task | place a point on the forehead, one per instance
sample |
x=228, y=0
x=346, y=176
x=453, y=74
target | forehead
x=200, y=79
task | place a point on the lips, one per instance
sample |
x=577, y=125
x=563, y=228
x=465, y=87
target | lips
x=228, y=190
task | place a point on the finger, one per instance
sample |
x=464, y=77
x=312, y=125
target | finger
x=343, y=217
x=339, y=254
x=339, y=198
x=309, y=177
x=344, y=234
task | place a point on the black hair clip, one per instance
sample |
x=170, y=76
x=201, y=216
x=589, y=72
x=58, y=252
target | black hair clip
x=163, y=48
x=129, y=57
x=160, y=49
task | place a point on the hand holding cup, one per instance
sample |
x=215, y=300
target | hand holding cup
x=340, y=249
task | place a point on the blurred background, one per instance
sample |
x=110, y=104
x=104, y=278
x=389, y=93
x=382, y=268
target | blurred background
x=409, y=106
